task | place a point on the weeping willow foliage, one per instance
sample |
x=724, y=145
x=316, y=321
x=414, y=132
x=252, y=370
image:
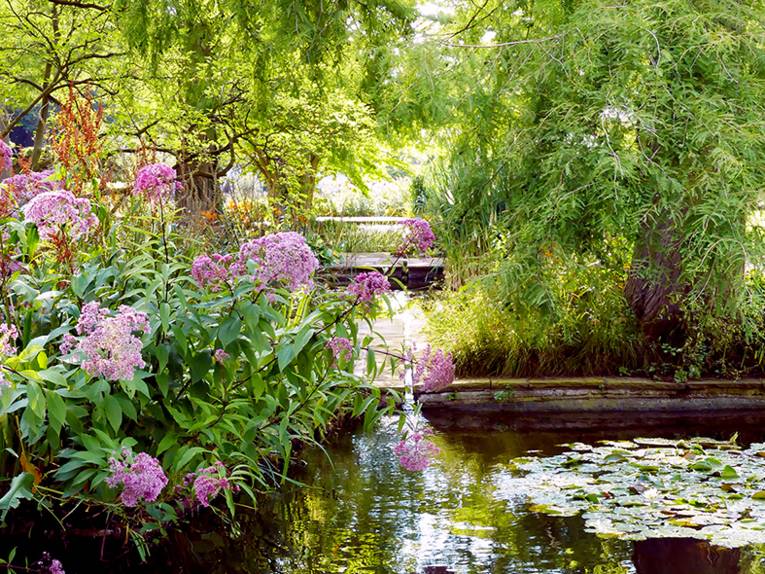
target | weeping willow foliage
x=588, y=122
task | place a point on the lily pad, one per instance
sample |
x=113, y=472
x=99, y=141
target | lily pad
x=651, y=488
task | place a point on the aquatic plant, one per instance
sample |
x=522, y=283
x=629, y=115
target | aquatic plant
x=651, y=488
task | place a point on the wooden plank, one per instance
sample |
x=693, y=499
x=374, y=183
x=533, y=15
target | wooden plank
x=362, y=219
x=378, y=260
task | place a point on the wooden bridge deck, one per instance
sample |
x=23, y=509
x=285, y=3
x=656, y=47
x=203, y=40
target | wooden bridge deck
x=414, y=272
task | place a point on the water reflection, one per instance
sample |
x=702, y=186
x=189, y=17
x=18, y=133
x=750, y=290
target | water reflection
x=362, y=513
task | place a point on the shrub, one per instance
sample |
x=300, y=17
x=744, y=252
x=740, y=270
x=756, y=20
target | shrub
x=140, y=383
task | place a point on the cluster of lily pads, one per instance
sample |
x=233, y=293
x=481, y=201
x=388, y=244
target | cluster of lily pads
x=651, y=488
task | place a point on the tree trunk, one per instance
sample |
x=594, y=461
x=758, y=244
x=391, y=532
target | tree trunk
x=201, y=191
x=42, y=120
x=653, y=289
x=308, y=184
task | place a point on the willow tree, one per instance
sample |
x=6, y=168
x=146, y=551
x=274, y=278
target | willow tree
x=590, y=120
x=272, y=83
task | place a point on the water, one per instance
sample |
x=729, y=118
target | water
x=362, y=513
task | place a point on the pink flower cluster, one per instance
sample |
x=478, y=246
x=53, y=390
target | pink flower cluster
x=156, y=182
x=6, y=156
x=207, y=483
x=366, y=286
x=141, y=477
x=415, y=452
x=19, y=189
x=211, y=271
x=25, y=186
x=55, y=211
x=108, y=348
x=342, y=348
x=435, y=370
x=280, y=259
x=220, y=356
x=8, y=336
x=418, y=235
x=46, y=564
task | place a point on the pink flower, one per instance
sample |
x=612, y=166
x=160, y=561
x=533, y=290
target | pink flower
x=220, y=356
x=25, y=186
x=156, y=182
x=436, y=371
x=46, y=564
x=207, y=483
x=419, y=235
x=415, y=452
x=342, y=348
x=17, y=190
x=141, y=477
x=280, y=259
x=9, y=266
x=55, y=212
x=6, y=156
x=108, y=348
x=367, y=285
x=8, y=336
x=211, y=270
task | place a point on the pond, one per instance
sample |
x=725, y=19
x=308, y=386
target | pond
x=363, y=513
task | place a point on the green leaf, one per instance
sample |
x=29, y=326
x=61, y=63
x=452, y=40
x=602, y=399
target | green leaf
x=728, y=473
x=113, y=412
x=169, y=440
x=200, y=366
x=186, y=457
x=302, y=338
x=18, y=491
x=56, y=410
x=229, y=331
x=284, y=356
x=164, y=316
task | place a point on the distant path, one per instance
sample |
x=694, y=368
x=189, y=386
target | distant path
x=398, y=332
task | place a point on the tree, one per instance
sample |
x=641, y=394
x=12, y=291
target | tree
x=51, y=46
x=591, y=120
x=270, y=82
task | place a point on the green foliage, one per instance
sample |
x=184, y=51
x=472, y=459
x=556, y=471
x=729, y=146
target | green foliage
x=581, y=325
x=279, y=388
x=610, y=120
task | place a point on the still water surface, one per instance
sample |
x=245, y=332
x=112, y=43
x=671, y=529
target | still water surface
x=362, y=513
